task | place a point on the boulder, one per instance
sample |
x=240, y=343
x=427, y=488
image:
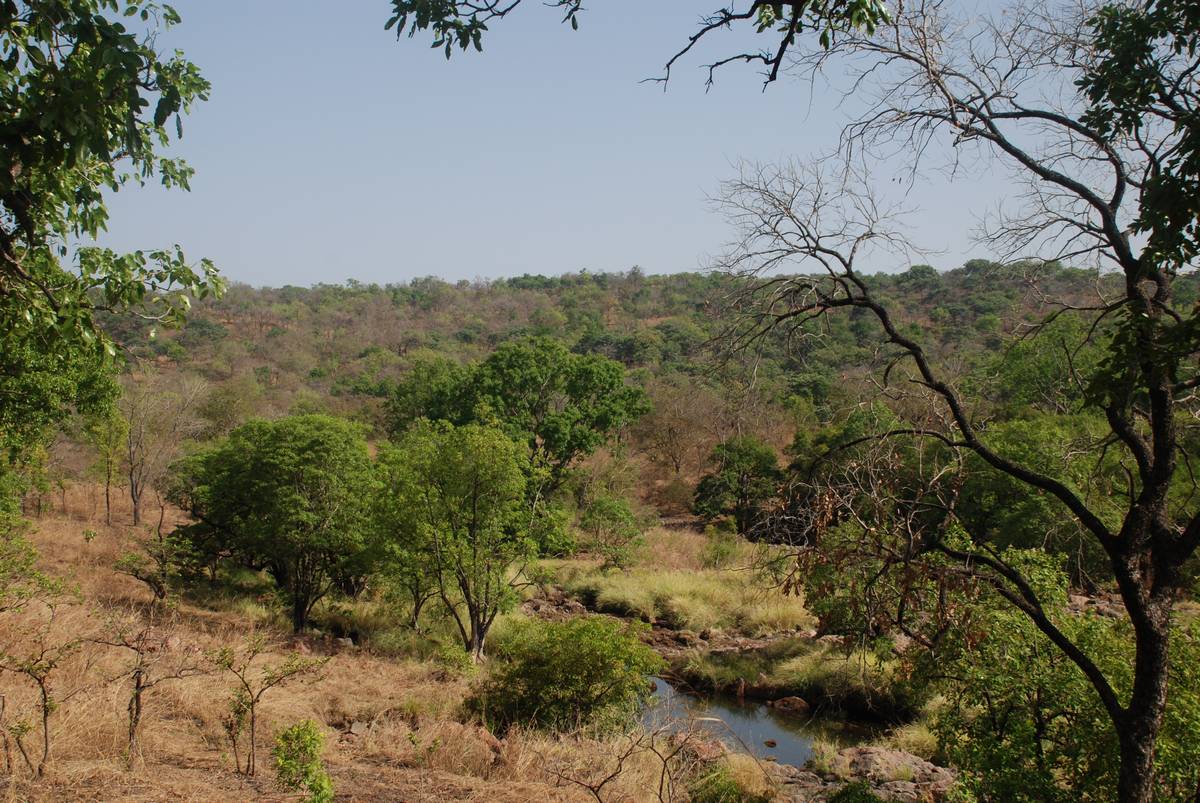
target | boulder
x=882, y=765
x=791, y=705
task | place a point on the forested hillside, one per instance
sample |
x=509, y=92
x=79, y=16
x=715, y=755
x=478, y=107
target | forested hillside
x=346, y=348
x=817, y=525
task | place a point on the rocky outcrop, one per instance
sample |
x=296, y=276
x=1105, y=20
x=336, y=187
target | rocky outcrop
x=892, y=775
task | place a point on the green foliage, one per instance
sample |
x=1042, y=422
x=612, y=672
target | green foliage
x=458, y=499
x=721, y=549
x=461, y=24
x=61, y=57
x=1023, y=724
x=289, y=495
x=588, y=672
x=746, y=474
x=613, y=531
x=999, y=509
x=1140, y=77
x=563, y=405
x=298, y=766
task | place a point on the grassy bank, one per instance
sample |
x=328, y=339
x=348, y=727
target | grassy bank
x=832, y=680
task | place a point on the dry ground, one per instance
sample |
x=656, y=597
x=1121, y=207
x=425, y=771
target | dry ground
x=408, y=743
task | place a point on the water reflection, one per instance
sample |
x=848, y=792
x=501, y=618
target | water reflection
x=747, y=727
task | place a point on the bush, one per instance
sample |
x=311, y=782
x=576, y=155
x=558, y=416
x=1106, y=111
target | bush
x=613, y=531
x=298, y=765
x=580, y=673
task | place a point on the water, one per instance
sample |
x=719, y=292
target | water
x=747, y=727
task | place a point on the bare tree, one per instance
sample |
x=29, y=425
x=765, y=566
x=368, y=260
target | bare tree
x=154, y=661
x=1005, y=90
x=160, y=413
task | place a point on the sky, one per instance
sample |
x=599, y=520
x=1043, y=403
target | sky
x=331, y=151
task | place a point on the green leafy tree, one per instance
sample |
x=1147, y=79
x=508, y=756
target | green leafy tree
x=407, y=562
x=106, y=431
x=290, y=496
x=61, y=57
x=464, y=490
x=745, y=475
x=563, y=405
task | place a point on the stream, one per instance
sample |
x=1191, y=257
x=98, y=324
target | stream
x=748, y=726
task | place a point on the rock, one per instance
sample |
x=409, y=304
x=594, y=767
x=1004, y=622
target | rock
x=770, y=743
x=358, y=727
x=791, y=705
x=686, y=637
x=344, y=643
x=702, y=750
x=901, y=792
x=881, y=765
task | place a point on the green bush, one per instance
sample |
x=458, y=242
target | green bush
x=613, y=531
x=298, y=765
x=580, y=673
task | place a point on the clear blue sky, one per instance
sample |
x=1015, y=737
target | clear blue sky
x=330, y=151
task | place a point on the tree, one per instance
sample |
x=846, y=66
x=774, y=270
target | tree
x=407, y=558
x=464, y=488
x=462, y=23
x=746, y=474
x=106, y=432
x=674, y=428
x=253, y=679
x=564, y=405
x=160, y=413
x=62, y=56
x=934, y=76
x=290, y=496
x=153, y=662
x=587, y=672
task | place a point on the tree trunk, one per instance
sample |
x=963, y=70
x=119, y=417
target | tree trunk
x=299, y=612
x=108, y=501
x=135, y=714
x=1139, y=732
x=135, y=497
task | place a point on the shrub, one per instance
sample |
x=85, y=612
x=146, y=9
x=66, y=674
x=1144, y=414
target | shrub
x=589, y=672
x=613, y=531
x=298, y=765
x=720, y=784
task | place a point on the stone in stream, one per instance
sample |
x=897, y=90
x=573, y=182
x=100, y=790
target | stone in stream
x=791, y=705
x=770, y=743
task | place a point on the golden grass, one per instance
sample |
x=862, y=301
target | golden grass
x=393, y=726
x=690, y=599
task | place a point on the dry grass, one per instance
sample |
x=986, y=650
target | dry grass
x=393, y=729
x=670, y=585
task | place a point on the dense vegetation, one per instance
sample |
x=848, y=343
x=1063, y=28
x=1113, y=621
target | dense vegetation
x=979, y=481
